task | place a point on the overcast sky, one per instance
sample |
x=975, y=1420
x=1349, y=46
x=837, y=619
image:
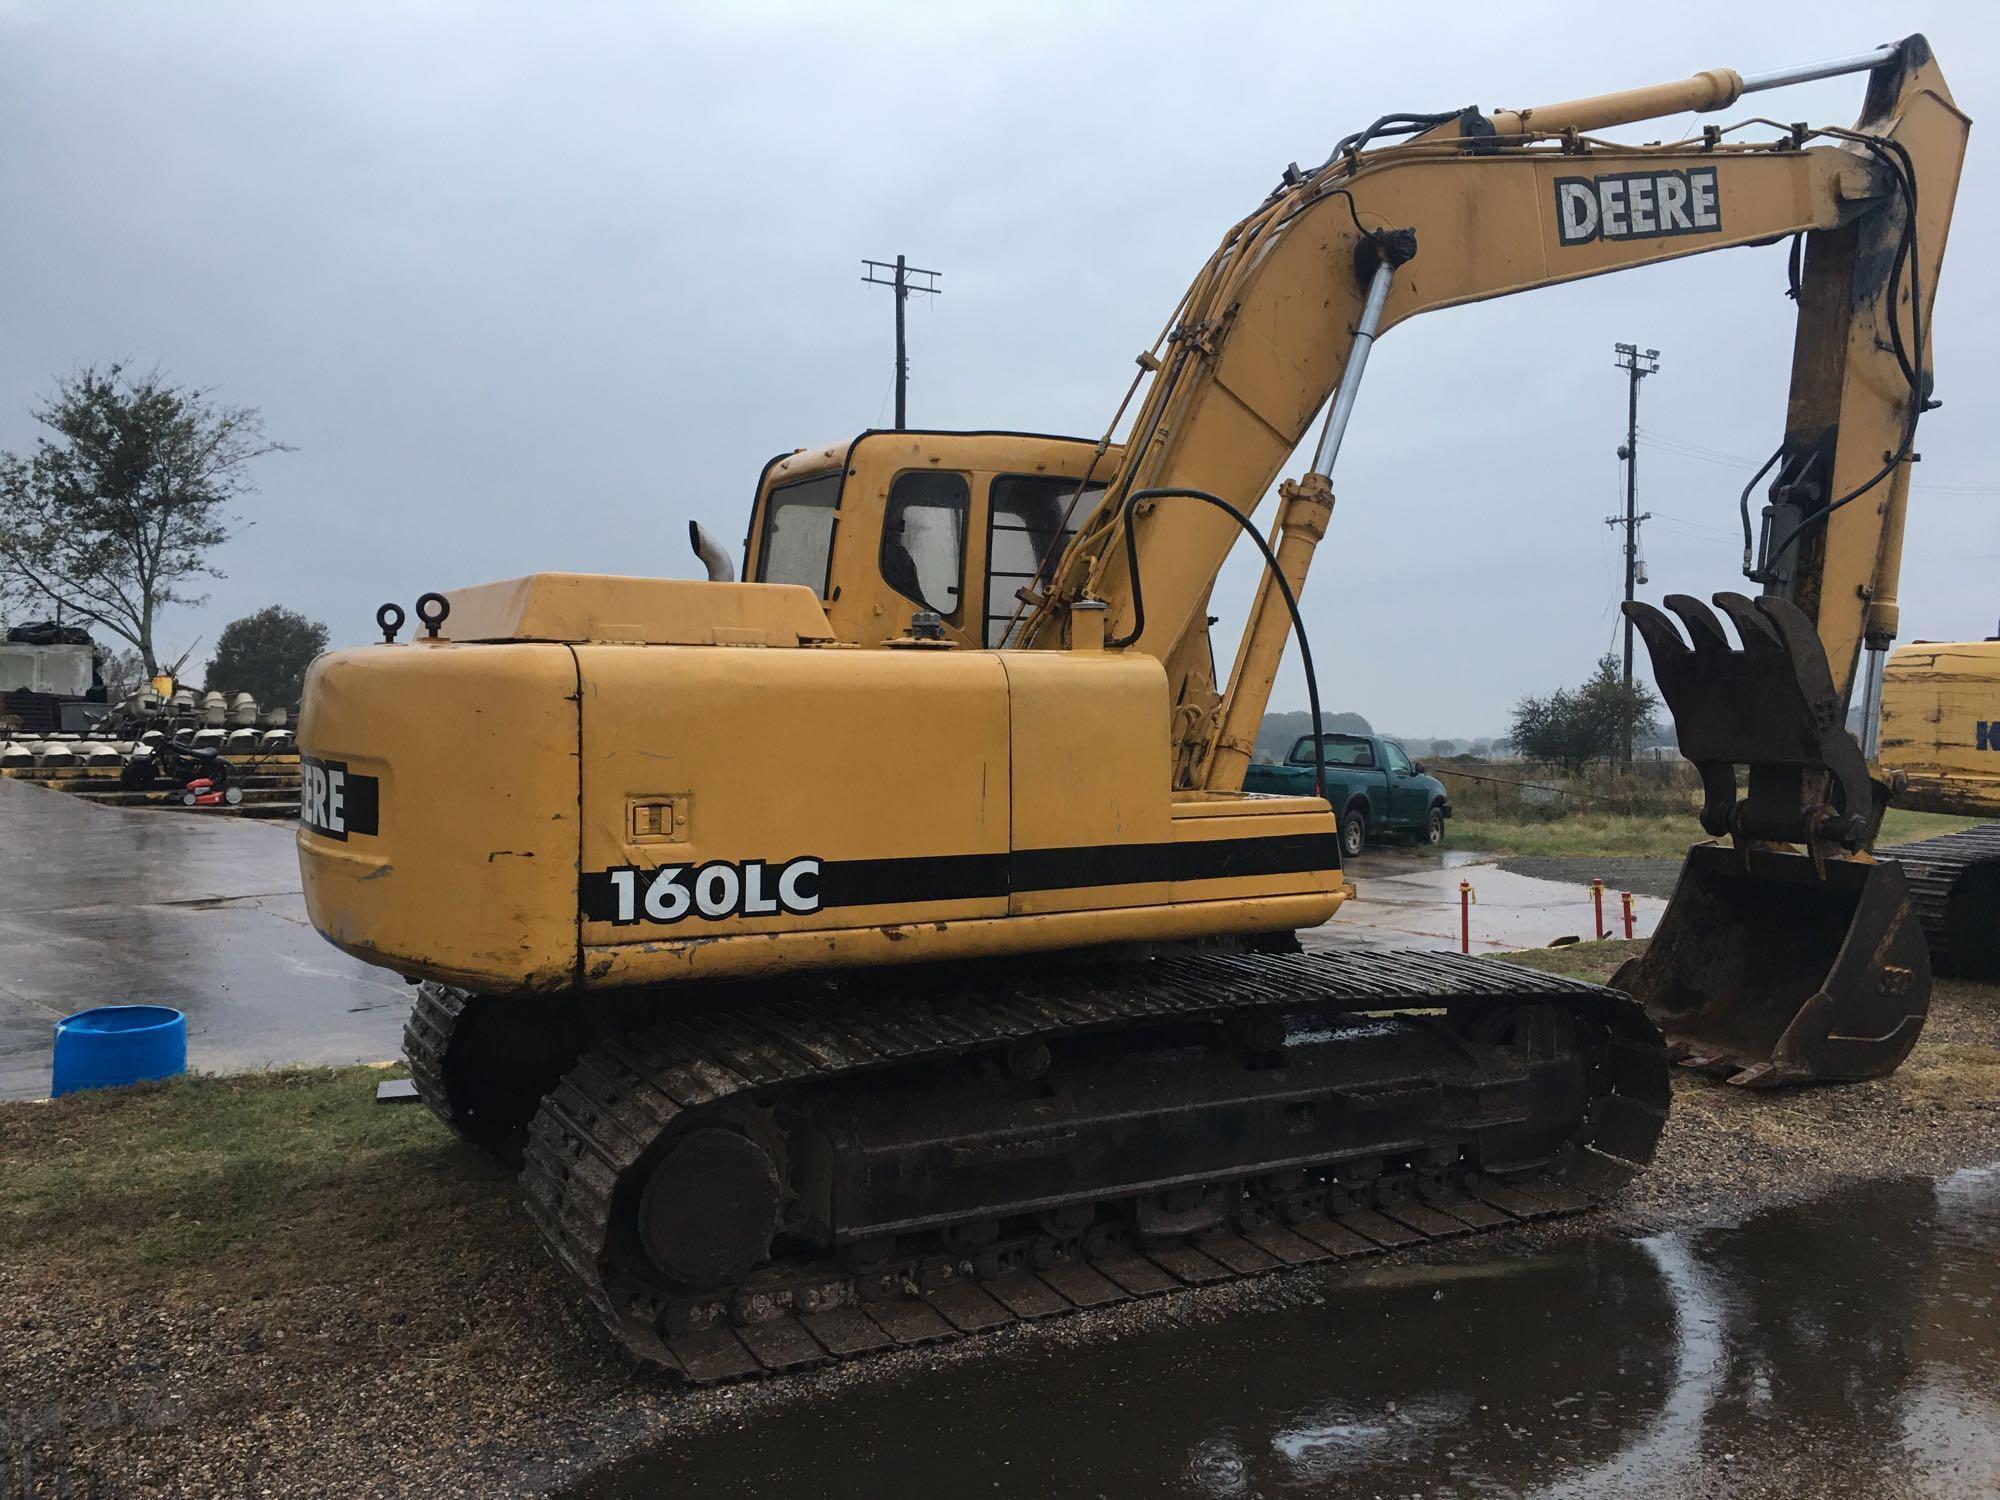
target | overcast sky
x=529, y=286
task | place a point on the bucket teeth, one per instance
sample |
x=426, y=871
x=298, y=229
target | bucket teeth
x=1767, y=705
x=1703, y=628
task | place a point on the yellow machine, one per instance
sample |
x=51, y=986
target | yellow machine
x=1940, y=739
x=883, y=948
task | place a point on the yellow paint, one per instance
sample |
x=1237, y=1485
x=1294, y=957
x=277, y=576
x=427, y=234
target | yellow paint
x=511, y=770
x=473, y=877
x=1941, y=726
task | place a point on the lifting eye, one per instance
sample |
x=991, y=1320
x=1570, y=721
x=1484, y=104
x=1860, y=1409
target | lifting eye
x=433, y=610
x=389, y=619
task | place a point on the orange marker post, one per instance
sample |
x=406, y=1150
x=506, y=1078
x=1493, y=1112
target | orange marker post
x=1465, y=900
x=1597, y=905
x=1626, y=898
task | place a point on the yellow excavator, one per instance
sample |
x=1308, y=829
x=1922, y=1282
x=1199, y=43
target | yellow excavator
x=882, y=949
x=1939, y=740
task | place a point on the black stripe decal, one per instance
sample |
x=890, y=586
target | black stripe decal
x=1135, y=864
x=971, y=877
x=933, y=877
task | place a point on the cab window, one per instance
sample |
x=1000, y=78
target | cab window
x=1336, y=750
x=1030, y=523
x=1398, y=761
x=923, y=539
x=797, y=545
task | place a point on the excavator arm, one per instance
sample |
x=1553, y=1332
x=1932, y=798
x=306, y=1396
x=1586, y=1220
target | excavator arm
x=1277, y=326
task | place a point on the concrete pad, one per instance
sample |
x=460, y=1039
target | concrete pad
x=112, y=906
x=1409, y=898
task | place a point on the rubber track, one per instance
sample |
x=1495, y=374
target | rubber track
x=600, y=1122
x=1933, y=868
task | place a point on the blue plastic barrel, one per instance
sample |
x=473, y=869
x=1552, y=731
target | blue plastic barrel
x=114, y=1044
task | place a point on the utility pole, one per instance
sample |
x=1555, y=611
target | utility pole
x=1637, y=367
x=900, y=280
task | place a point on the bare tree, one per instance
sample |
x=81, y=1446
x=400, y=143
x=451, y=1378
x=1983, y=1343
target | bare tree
x=114, y=514
x=122, y=672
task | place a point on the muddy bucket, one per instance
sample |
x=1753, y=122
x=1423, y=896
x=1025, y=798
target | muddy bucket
x=1780, y=973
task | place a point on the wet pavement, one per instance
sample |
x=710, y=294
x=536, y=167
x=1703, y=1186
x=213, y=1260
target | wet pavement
x=111, y=906
x=105, y=906
x=1409, y=899
x=1849, y=1345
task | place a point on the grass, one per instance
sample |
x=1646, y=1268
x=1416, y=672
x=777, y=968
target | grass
x=1902, y=827
x=1639, y=836
x=1578, y=833
x=1593, y=963
x=256, y=1182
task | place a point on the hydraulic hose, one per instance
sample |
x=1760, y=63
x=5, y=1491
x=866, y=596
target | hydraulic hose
x=1284, y=588
x=1896, y=157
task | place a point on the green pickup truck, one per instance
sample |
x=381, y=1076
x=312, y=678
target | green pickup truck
x=1370, y=782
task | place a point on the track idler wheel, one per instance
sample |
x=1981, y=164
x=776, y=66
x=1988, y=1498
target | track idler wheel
x=710, y=1208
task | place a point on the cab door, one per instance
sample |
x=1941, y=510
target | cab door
x=1409, y=799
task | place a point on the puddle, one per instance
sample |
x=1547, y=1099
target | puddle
x=1410, y=898
x=1848, y=1345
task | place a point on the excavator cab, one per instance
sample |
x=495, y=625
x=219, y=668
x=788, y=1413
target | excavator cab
x=954, y=524
x=1788, y=954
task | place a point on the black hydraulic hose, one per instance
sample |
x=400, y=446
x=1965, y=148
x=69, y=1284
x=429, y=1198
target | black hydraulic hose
x=1284, y=588
x=1396, y=124
x=1896, y=157
x=1749, y=548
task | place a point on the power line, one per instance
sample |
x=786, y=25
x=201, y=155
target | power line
x=1669, y=440
x=1671, y=520
x=1676, y=447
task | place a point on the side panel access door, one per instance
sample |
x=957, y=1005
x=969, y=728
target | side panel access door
x=1091, y=776
x=742, y=793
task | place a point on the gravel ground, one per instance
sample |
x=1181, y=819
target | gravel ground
x=457, y=1364
x=1643, y=877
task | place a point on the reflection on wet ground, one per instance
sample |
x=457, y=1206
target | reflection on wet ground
x=107, y=906
x=1849, y=1346
x=1408, y=898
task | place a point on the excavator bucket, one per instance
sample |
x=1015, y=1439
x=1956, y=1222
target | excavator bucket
x=1771, y=965
x=1772, y=972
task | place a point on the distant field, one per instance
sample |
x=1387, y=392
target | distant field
x=1640, y=836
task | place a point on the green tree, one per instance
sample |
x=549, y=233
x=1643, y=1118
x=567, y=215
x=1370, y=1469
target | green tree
x=1572, y=729
x=114, y=514
x=1628, y=716
x=266, y=655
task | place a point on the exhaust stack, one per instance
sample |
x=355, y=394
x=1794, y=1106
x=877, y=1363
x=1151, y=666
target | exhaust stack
x=714, y=556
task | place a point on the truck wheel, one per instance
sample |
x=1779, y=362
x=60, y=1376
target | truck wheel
x=1353, y=832
x=1434, y=827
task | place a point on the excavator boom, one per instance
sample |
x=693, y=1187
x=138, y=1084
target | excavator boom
x=1276, y=330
